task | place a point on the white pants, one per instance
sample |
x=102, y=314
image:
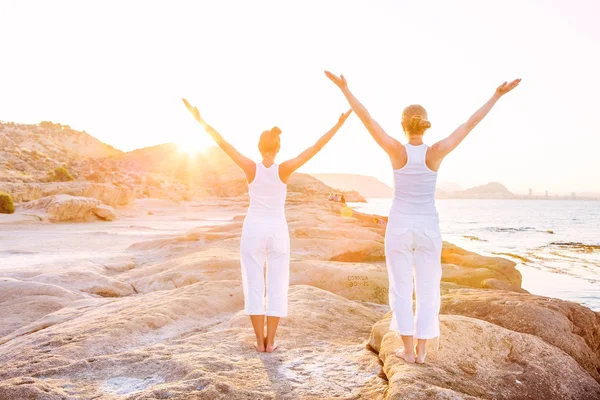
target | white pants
x=413, y=246
x=265, y=241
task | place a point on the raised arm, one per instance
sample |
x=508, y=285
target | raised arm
x=385, y=141
x=442, y=148
x=287, y=168
x=243, y=162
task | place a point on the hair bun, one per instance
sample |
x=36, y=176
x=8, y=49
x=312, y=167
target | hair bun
x=417, y=123
x=275, y=131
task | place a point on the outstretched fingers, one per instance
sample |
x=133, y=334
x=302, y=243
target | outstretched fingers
x=514, y=84
x=193, y=110
x=340, y=81
x=187, y=104
x=506, y=87
x=345, y=116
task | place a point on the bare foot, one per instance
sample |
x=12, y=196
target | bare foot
x=271, y=347
x=409, y=358
x=260, y=347
x=420, y=359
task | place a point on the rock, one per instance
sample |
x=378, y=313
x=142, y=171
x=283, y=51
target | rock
x=210, y=265
x=354, y=281
x=491, y=283
x=471, y=269
x=33, y=300
x=571, y=327
x=194, y=341
x=342, y=249
x=64, y=207
x=176, y=329
x=86, y=281
x=105, y=212
x=480, y=360
x=118, y=267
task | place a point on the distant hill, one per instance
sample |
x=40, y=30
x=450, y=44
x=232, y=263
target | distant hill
x=492, y=190
x=371, y=187
x=28, y=152
x=367, y=186
x=31, y=154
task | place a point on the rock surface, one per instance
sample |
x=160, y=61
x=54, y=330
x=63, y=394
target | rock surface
x=149, y=306
x=193, y=341
x=569, y=326
x=480, y=360
x=471, y=269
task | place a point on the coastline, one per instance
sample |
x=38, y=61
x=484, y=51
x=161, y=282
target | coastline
x=156, y=313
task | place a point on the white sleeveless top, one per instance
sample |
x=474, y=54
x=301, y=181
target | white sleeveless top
x=414, y=185
x=267, y=194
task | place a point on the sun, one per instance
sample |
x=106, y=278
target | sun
x=192, y=144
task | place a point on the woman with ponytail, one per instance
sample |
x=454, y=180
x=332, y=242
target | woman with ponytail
x=413, y=242
x=265, y=233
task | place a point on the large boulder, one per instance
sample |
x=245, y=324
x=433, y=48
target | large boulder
x=471, y=269
x=571, y=327
x=63, y=207
x=480, y=360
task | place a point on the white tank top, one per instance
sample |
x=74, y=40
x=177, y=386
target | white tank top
x=267, y=194
x=414, y=185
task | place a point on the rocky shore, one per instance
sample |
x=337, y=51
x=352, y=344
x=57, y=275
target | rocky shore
x=148, y=306
x=120, y=279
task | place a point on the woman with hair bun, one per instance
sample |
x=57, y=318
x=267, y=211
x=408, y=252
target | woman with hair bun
x=265, y=235
x=413, y=242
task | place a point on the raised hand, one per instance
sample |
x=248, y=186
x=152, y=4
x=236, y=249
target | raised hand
x=344, y=117
x=507, y=87
x=340, y=81
x=243, y=162
x=194, y=111
x=288, y=167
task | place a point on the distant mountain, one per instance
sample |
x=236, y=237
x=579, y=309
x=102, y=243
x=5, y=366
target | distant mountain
x=492, y=190
x=371, y=187
x=367, y=186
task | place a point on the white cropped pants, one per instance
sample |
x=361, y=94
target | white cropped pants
x=270, y=242
x=413, y=247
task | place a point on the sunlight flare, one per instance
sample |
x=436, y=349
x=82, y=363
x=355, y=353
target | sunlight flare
x=193, y=144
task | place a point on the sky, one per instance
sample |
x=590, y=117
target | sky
x=118, y=70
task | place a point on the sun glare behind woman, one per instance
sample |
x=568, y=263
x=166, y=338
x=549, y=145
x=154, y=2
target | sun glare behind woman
x=192, y=144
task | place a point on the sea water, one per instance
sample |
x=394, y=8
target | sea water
x=555, y=243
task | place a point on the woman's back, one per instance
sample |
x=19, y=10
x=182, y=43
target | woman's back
x=267, y=193
x=414, y=185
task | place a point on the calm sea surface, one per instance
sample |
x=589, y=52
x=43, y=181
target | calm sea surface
x=555, y=243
